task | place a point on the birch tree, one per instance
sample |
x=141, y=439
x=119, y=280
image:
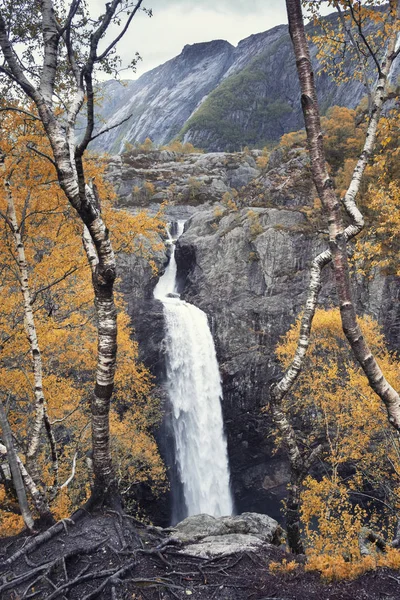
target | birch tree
x=339, y=236
x=14, y=467
x=51, y=56
x=48, y=277
x=40, y=406
x=334, y=407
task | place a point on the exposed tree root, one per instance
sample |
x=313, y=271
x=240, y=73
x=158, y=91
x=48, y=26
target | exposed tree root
x=99, y=560
x=35, y=542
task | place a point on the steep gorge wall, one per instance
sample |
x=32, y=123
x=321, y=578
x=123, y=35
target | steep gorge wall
x=252, y=283
x=248, y=270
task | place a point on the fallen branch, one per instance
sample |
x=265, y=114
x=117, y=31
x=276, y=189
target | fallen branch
x=39, y=540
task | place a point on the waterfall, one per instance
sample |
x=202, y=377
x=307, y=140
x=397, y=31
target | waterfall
x=195, y=392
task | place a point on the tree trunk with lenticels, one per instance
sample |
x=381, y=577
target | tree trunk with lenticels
x=59, y=30
x=338, y=234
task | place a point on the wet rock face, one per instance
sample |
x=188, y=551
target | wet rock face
x=249, y=272
x=247, y=269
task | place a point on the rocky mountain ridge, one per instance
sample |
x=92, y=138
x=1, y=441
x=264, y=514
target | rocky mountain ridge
x=219, y=97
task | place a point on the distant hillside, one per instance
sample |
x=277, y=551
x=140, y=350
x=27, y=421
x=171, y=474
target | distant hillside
x=260, y=103
x=217, y=96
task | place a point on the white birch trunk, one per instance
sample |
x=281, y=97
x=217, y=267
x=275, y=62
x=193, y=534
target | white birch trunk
x=14, y=468
x=40, y=412
x=30, y=485
x=299, y=464
x=70, y=172
x=338, y=235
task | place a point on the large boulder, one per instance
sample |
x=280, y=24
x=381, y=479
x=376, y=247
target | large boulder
x=206, y=536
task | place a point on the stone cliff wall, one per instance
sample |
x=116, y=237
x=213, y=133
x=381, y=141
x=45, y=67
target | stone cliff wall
x=247, y=268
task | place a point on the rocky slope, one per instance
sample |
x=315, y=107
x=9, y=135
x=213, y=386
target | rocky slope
x=245, y=263
x=180, y=179
x=219, y=97
x=162, y=100
x=259, y=103
x=108, y=555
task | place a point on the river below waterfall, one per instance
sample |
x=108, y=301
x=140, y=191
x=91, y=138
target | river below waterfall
x=195, y=392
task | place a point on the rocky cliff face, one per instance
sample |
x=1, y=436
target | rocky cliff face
x=246, y=266
x=220, y=97
x=249, y=271
x=180, y=179
x=260, y=102
x=162, y=100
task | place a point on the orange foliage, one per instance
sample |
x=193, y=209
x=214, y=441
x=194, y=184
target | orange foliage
x=283, y=567
x=10, y=523
x=379, y=245
x=344, y=61
x=334, y=568
x=343, y=141
x=333, y=405
x=60, y=283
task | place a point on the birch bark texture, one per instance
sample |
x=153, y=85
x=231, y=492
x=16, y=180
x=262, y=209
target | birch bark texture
x=301, y=460
x=40, y=406
x=60, y=41
x=338, y=233
x=12, y=458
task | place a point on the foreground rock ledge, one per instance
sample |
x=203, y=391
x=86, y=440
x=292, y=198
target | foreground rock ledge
x=205, y=536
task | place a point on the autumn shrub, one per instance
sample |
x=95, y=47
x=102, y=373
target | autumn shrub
x=333, y=405
x=343, y=137
x=229, y=200
x=147, y=145
x=11, y=523
x=283, y=567
x=194, y=187
x=254, y=224
x=182, y=147
x=218, y=212
x=378, y=248
x=262, y=162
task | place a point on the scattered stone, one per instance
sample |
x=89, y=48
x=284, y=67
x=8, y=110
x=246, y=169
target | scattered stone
x=222, y=545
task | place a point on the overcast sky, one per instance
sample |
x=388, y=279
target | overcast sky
x=179, y=22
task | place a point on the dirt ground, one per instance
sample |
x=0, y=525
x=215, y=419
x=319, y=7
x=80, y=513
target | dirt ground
x=113, y=557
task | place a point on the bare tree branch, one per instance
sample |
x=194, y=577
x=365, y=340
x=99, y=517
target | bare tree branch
x=31, y=147
x=110, y=128
x=106, y=52
x=20, y=110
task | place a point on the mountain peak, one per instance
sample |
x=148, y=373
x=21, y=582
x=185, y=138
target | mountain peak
x=203, y=47
x=220, y=97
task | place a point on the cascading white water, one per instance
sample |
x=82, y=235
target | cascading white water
x=194, y=388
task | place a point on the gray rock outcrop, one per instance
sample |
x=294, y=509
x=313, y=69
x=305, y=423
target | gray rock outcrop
x=162, y=100
x=247, y=267
x=144, y=180
x=206, y=536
